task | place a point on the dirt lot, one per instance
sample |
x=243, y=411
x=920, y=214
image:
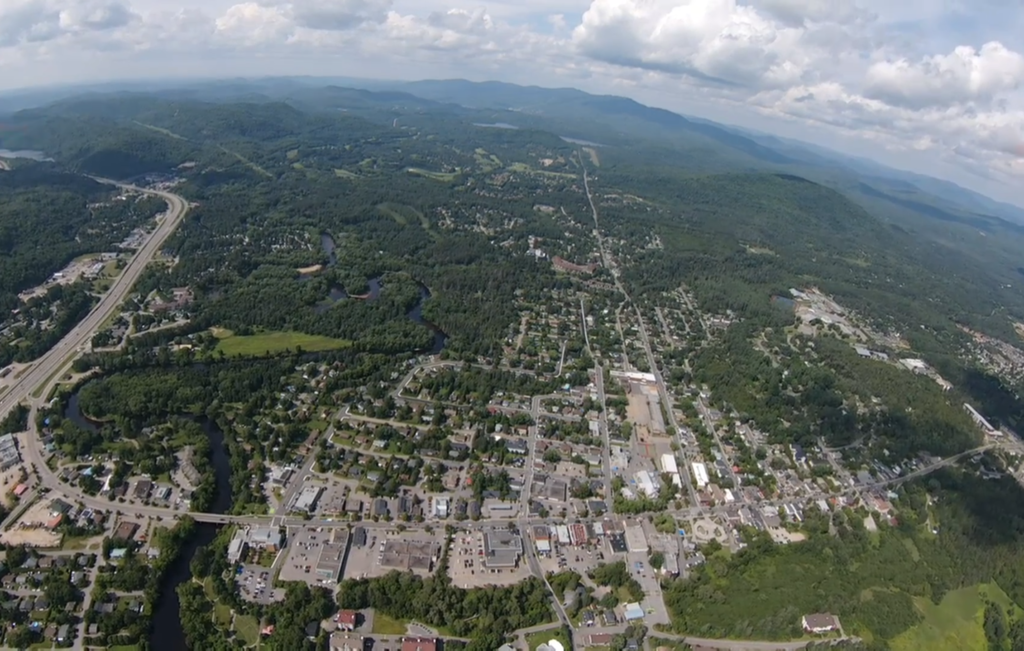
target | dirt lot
x=30, y=529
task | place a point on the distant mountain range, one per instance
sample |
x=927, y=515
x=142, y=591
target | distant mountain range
x=694, y=143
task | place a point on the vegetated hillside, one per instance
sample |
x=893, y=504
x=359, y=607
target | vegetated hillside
x=98, y=146
x=968, y=534
x=43, y=225
x=713, y=227
x=889, y=194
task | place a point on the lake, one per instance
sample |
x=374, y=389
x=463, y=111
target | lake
x=495, y=125
x=23, y=153
x=577, y=141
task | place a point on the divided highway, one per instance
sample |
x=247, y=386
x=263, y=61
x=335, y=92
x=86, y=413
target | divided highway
x=43, y=368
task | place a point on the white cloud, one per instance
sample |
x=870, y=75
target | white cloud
x=799, y=12
x=965, y=75
x=254, y=24
x=95, y=16
x=714, y=40
x=333, y=14
x=37, y=21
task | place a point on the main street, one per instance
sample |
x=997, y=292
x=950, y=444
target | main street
x=684, y=470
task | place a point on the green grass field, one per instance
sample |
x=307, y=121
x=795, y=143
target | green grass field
x=222, y=615
x=522, y=168
x=274, y=342
x=956, y=624
x=403, y=215
x=487, y=162
x=384, y=625
x=248, y=628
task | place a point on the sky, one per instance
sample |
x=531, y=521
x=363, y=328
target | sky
x=932, y=86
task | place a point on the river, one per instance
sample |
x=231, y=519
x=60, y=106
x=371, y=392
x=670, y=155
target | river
x=339, y=294
x=329, y=247
x=166, y=633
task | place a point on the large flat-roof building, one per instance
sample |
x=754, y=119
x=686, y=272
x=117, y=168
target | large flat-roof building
x=700, y=474
x=9, y=455
x=648, y=483
x=502, y=549
x=331, y=559
x=307, y=499
x=266, y=537
x=636, y=539
x=346, y=641
x=410, y=554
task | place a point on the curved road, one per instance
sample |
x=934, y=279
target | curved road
x=41, y=369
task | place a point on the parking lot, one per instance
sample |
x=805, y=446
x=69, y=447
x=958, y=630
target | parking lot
x=578, y=559
x=653, y=604
x=253, y=584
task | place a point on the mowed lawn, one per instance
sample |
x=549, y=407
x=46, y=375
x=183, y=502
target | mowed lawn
x=956, y=624
x=265, y=343
x=385, y=625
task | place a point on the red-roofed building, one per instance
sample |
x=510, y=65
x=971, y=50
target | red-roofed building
x=20, y=489
x=346, y=620
x=419, y=644
x=52, y=524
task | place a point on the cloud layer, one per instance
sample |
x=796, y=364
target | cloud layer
x=914, y=76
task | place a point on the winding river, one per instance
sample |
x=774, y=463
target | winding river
x=166, y=633
x=415, y=314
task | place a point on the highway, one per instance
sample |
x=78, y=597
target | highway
x=53, y=360
x=43, y=371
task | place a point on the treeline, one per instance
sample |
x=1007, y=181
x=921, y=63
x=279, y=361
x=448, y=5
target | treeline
x=486, y=615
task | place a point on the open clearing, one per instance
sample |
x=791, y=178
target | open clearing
x=166, y=132
x=956, y=624
x=437, y=176
x=526, y=169
x=384, y=625
x=274, y=342
x=403, y=215
x=345, y=174
x=486, y=161
x=248, y=628
x=593, y=156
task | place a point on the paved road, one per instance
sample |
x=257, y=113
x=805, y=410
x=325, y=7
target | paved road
x=42, y=372
x=684, y=469
x=79, y=337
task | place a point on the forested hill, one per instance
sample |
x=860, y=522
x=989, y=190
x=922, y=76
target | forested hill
x=43, y=219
